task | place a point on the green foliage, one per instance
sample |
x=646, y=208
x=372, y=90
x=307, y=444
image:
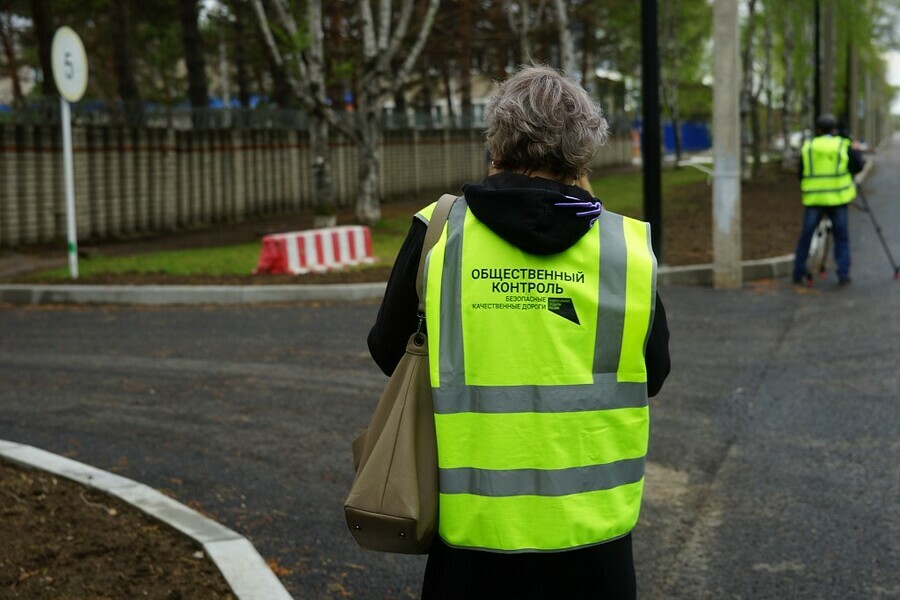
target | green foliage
x=623, y=192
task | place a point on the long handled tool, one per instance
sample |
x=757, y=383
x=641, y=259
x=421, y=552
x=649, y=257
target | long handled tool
x=868, y=209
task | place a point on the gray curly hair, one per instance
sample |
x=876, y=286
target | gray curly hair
x=539, y=120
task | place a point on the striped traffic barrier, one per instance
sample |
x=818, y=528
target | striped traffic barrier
x=315, y=250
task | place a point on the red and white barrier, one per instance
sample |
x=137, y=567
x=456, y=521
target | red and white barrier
x=315, y=250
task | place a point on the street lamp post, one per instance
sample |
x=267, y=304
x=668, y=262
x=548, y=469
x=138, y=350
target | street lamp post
x=650, y=109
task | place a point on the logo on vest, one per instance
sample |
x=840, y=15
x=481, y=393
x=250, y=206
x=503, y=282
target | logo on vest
x=563, y=307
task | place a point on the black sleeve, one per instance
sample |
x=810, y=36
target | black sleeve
x=657, y=354
x=857, y=162
x=397, y=317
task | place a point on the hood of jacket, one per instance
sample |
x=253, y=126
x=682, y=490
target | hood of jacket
x=538, y=215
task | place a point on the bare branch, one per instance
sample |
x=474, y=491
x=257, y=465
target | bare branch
x=384, y=24
x=402, y=26
x=368, y=29
x=286, y=20
x=416, y=50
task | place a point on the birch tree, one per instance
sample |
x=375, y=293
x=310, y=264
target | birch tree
x=387, y=63
x=669, y=72
x=387, y=59
x=566, y=45
x=746, y=88
x=302, y=64
x=523, y=18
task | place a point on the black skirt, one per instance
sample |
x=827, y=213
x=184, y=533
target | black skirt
x=602, y=571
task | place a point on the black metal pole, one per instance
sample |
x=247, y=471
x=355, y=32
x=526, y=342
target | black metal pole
x=651, y=143
x=817, y=51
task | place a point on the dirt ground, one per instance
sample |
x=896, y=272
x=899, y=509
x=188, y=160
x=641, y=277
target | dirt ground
x=62, y=541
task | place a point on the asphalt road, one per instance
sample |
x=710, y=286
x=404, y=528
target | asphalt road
x=773, y=468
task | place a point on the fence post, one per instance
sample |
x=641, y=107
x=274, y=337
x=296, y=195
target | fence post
x=126, y=182
x=239, y=173
x=446, y=142
x=9, y=234
x=82, y=197
x=27, y=195
x=46, y=163
x=168, y=190
x=114, y=186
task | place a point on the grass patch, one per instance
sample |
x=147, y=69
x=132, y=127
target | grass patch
x=623, y=193
x=221, y=260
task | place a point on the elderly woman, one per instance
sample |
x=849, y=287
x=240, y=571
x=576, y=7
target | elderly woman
x=546, y=337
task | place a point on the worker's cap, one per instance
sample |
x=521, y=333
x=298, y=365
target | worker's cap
x=826, y=122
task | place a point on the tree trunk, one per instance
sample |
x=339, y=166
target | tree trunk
x=281, y=89
x=368, y=205
x=320, y=167
x=787, y=159
x=566, y=46
x=320, y=131
x=427, y=96
x=43, y=31
x=127, y=84
x=669, y=81
x=520, y=23
x=756, y=138
x=239, y=7
x=448, y=94
x=587, y=53
x=382, y=47
x=747, y=92
x=9, y=51
x=198, y=92
x=829, y=52
x=465, y=65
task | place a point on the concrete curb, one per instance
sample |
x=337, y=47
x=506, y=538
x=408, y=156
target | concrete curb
x=764, y=268
x=243, y=568
x=183, y=294
x=23, y=294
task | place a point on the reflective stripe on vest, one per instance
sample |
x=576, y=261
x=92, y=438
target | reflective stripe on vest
x=540, y=384
x=826, y=176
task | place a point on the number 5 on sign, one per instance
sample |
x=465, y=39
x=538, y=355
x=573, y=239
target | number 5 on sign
x=70, y=71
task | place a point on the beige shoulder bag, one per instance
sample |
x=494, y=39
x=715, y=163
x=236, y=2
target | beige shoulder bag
x=393, y=501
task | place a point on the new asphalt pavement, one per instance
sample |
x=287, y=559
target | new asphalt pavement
x=773, y=470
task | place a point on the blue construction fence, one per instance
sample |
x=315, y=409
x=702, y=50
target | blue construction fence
x=695, y=136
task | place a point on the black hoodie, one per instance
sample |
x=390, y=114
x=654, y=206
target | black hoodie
x=522, y=210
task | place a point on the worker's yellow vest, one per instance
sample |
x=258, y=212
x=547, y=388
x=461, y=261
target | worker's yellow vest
x=826, y=177
x=540, y=384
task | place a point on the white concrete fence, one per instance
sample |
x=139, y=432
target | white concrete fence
x=142, y=181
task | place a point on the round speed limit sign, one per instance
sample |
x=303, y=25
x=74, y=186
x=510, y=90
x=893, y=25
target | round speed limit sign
x=70, y=66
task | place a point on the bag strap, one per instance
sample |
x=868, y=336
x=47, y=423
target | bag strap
x=435, y=229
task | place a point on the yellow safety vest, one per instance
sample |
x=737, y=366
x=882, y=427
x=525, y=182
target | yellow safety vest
x=540, y=384
x=826, y=177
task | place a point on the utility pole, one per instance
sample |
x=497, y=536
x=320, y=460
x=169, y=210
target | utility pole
x=651, y=144
x=829, y=49
x=727, y=147
x=817, y=63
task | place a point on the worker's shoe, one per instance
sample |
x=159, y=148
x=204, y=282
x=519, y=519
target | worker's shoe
x=844, y=281
x=806, y=280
